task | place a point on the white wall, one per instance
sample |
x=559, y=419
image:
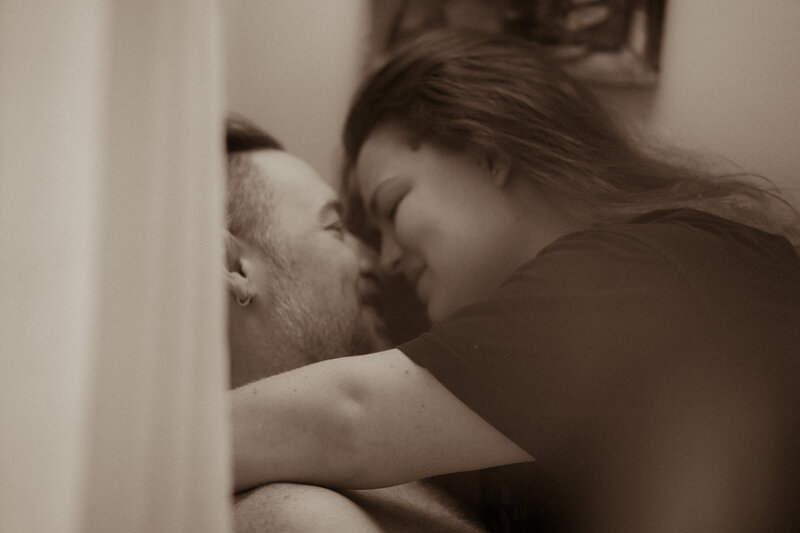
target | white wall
x=292, y=67
x=729, y=84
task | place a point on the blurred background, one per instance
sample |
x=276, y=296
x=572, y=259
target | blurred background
x=727, y=85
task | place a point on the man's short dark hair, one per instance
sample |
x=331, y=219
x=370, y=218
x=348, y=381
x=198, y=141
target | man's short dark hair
x=244, y=136
x=249, y=201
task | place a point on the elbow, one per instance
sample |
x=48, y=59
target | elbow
x=298, y=430
x=315, y=439
x=347, y=437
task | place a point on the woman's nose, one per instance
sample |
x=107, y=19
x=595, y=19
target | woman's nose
x=390, y=255
x=367, y=256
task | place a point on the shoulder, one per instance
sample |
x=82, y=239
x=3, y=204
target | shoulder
x=683, y=242
x=297, y=507
x=676, y=230
x=655, y=233
x=607, y=256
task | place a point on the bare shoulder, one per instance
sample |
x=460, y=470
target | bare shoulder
x=292, y=507
x=289, y=507
x=416, y=506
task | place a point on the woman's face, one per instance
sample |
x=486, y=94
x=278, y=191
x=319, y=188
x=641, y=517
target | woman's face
x=448, y=221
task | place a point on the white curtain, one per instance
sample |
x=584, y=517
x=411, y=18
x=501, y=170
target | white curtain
x=112, y=352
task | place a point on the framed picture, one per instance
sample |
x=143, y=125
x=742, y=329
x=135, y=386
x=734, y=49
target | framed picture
x=609, y=42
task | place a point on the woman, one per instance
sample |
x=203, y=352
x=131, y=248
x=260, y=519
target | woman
x=612, y=315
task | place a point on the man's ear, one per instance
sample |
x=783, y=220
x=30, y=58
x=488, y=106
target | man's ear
x=237, y=270
x=499, y=166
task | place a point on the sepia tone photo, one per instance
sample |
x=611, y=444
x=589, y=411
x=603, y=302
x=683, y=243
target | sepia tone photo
x=475, y=266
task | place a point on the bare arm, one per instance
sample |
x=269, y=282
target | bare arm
x=358, y=422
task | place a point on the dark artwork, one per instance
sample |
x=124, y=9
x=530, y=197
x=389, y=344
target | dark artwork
x=600, y=41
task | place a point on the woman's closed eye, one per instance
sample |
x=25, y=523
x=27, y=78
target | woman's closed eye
x=389, y=196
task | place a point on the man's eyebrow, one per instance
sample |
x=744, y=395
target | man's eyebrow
x=334, y=205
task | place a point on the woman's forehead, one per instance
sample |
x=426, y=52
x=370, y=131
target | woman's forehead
x=381, y=153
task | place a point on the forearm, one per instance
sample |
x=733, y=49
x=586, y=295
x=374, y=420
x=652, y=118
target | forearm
x=292, y=427
x=358, y=422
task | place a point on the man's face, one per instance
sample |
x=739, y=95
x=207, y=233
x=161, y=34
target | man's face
x=325, y=284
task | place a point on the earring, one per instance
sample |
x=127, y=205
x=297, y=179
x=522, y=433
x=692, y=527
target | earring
x=245, y=302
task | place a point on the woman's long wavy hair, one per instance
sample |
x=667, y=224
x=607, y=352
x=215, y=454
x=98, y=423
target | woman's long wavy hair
x=494, y=94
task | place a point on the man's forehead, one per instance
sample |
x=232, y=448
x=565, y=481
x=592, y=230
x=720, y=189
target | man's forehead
x=293, y=183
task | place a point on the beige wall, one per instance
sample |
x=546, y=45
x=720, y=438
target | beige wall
x=292, y=66
x=730, y=85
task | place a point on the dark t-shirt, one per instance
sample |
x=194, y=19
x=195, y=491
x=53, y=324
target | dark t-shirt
x=617, y=343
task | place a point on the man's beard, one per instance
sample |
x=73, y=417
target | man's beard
x=321, y=329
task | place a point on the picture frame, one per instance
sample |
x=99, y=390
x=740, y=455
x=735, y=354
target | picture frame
x=605, y=42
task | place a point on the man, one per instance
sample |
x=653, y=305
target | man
x=301, y=290
x=301, y=286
